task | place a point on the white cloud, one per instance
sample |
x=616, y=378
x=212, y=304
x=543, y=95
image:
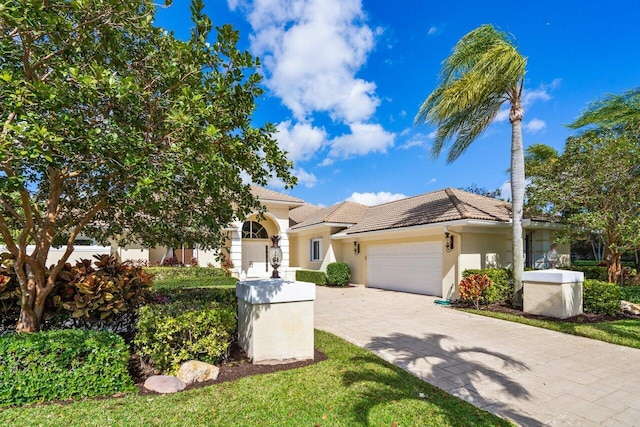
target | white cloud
x=432, y=31
x=505, y=191
x=535, y=125
x=431, y=181
x=372, y=199
x=311, y=50
x=305, y=178
x=418, y=140
x=301, y=141
x=364, y=138
x=541, y=93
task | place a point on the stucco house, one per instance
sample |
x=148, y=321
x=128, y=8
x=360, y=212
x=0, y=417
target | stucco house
x=419, y=244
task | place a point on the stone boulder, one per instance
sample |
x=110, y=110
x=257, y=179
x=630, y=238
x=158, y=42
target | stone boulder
x=164, y=384
x=629, y=307
x=195, y=371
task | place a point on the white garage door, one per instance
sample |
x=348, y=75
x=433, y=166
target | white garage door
x=415, y=267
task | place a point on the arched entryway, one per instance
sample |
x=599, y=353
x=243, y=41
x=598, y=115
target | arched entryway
x=255, y=236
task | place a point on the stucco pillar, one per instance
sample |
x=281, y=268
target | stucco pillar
x=235, y=251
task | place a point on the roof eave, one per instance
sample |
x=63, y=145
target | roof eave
x=311, y=227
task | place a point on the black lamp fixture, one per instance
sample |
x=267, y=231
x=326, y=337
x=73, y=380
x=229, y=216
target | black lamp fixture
x=448, y=241
x=275, y=256
x=356, y=248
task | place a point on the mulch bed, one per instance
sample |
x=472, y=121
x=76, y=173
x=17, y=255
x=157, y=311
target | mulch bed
x=581, y=318
x=235, y=367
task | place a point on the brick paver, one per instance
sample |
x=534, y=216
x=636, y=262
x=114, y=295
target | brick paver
x=529, y=375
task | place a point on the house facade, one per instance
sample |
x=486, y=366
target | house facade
x=420, y=244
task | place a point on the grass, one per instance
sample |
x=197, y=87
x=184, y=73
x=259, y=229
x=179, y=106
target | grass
x=196, y=282
x=624, y=332
x=352, y=387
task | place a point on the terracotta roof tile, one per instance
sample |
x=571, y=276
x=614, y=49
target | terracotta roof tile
x=299, y=214
x=266, y=194
x=438, y=206
x=347, y=213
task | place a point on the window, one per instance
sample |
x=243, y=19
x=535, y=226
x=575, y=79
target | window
x=253, y=230
x=315, y=251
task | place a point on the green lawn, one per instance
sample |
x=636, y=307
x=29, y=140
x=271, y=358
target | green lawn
x=352, y=387
x=622, y=332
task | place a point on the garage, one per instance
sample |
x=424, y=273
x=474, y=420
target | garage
x=408, y=267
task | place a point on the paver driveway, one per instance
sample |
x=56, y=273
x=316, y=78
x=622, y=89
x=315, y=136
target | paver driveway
x=529, y=375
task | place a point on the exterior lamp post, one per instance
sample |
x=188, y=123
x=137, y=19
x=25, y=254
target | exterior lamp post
x=275, y=256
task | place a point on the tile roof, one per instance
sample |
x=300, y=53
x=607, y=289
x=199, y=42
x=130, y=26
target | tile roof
x=347, y=213
x=438, y=206
x=265, y=194
x=299, y=214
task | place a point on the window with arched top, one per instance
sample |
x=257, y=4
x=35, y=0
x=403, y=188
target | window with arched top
x=254, y=230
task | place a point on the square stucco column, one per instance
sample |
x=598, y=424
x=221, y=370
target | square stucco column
x=553, y=293
x=275, y=320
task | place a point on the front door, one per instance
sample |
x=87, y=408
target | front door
x=254, y=258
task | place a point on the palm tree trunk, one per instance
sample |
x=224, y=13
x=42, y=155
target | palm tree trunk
x=517, y=195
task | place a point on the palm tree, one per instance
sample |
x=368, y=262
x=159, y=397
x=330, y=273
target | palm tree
x=484, y=71
x=612, y=111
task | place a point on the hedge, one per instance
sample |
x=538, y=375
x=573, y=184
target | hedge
x=162, y=273
x=631, y=294
x=592, y=272
x=54, y=365
x=313, y=276
x=601, y=297
x=338, y=273
x=502, y=287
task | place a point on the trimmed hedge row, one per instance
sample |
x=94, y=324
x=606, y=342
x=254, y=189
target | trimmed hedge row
x=162, y=273
x=312, y=276
x=194, y=282
x=631, y=294
x=592, y=272
x=62, y=364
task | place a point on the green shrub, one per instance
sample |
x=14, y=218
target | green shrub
x=170, y=334
x=313, y=276
x=631, y=294
x=54, y=365
x=338, y=273
x=162, y=273
x=199, y=296
x=502, y=284
x=195, y=282
x=101, y=290
x=592, y=272
x=601, y=297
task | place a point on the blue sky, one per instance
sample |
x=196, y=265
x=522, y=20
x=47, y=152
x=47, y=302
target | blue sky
x=344, y=80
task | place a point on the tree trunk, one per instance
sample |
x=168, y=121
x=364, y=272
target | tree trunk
x=517, y=196
x=614, y=266
x=29, y=321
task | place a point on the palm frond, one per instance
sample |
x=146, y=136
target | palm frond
x=611, y=111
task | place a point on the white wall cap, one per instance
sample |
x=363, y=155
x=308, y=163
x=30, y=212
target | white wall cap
x=269, y=291
x=553, y=276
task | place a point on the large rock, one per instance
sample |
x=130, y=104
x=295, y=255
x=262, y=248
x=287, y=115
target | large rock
x=164, y=384
x=629, y=307
x=195, y=371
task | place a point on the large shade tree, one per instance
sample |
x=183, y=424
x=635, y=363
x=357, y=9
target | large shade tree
x=112, y=127
x=484, y=72
x=593, y=186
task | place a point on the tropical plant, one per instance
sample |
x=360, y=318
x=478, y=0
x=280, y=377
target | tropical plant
x=612, y=111
x=594, y=187
x=484, y=71
x=473, y=286
x=115, y=128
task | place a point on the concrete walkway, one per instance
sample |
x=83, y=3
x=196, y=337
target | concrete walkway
x=529, y=375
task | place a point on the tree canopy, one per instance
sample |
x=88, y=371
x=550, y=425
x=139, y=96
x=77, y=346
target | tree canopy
x=612, y=111
x=483, y=72
x=113, y=127
x=594, y=187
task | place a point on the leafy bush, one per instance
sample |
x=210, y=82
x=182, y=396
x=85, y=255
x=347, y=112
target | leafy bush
x=631, y=294
x=195, y=282
x=592, y=272
x=473, y=286
x=313, y=276
x=171, y=334
x=101, y=292
x=601, y=297
x=9, y=291
x=338, y=273
x=162, y=273
x=55, y=365
x=200, y=296
x=502, y=288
